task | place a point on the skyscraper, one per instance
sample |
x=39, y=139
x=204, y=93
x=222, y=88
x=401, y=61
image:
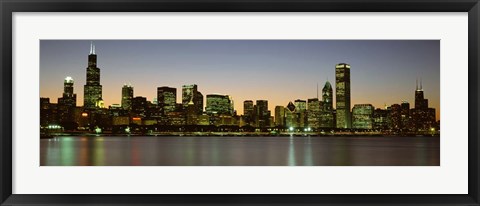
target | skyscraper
x=279, y=116
x=127, y=96
x=300, y=105
x=313, y=112
x=219, y=104
x=362, y=115
x=301, y=112
x=167, y=99
x=248, y=112
x=405, y=116
x=394, y=117
x=291, y=117
x=326, y=113
x=263, y=114
x=423, y=117
x=342, y=82
x=380, y=119
x=191, y=114
x=420, y=101
x=140, y=106
x=191, y=93
x=93, y=89
x=68, y=102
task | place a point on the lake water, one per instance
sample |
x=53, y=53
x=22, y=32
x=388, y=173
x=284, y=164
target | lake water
x=239, y=151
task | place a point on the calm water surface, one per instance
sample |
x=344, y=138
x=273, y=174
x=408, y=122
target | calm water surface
x=239, y=151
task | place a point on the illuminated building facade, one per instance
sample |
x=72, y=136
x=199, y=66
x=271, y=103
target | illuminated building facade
x=279, y=116
x=326, y=113
x=67, y=104
x=167, y=99
x=219, y=104
x=248, y=112
x=342, y=82
x=262, y=114
x=380, y=119
x=127, y=97
x=362, y=115
x=191, y=93
x=313, y=112
x=192, y=114
x=291, y=116
x=139, y=106
x=301, y=112
x=395, y=117
x=405, y=116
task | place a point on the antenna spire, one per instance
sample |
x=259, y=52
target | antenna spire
x=91, y=47
x=416, y=84
x=421, y=88
x=317, y=90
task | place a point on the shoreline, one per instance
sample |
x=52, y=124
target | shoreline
x=215, y=134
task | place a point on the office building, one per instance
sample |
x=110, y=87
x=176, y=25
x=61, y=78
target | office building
x=191, y=93
x=139, y=106
x=218, y=104
x=248, y=112
x=279, y=116
x=326, y=113
x=342, y=82
x=301, y=112
x=313, y=112
x=92, y=89
x=262, y=114
x=362, y=115
x=67, y=104
x=167, y=99
x=127, y=97
x=423, y=117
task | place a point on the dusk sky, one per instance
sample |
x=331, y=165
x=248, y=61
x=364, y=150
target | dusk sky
x=382, y=71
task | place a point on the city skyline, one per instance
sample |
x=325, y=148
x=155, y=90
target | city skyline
x=262, y=87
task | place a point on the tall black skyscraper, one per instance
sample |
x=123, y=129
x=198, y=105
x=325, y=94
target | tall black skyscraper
x=262, y=114
x=248, y=111
x=420, y=101
x=342, y=80
x=423, y=117
x=68, y=102
x=93, y=89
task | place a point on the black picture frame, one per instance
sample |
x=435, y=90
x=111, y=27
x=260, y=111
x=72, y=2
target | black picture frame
x=7, y=7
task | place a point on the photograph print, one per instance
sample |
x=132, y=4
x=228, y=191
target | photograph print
x=239, y=102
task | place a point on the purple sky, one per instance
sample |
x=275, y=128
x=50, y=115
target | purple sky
x=382, y=71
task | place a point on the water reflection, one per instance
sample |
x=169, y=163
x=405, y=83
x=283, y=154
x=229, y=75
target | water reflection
x=291, y=153
x=239, y=151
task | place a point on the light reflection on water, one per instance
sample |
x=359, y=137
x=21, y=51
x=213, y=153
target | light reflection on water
x=239, y=151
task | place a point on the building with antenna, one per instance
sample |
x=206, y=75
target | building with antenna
x=93, y=89
x=423, y=117
x=67, y=103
